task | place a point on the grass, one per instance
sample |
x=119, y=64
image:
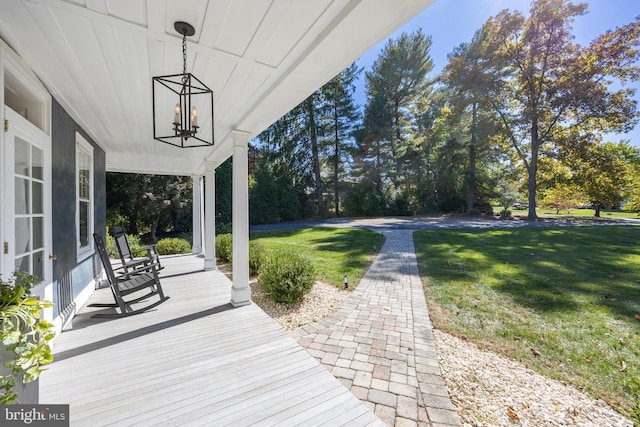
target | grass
x=604, y=213
x=334, y=251
x=551, y=213
x=570, y=293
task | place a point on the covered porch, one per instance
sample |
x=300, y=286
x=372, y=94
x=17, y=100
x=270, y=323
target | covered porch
x=194, y=360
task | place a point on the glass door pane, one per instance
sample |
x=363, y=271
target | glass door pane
x=29, y=207
x=25, y=225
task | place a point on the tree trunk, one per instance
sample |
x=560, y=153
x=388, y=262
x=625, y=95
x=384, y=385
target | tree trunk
x=533, y=170
x=597, y=207
x=154, y=237
x=336, y=161
x=396, y=146
x=471, y=190
x=313, y=136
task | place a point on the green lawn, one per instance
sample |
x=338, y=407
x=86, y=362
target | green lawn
x=551, y=213
x=605, y=213
x=570, y=293
x=333, y=251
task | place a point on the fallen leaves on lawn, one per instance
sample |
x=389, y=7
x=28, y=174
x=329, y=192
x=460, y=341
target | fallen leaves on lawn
x=623, y=366
x=535, y=352
x=637, y=316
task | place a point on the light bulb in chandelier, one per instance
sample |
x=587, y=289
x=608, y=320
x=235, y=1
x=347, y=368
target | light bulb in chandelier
x=176, y=117
x=194, y=118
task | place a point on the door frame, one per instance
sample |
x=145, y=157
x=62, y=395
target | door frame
x=20, y=127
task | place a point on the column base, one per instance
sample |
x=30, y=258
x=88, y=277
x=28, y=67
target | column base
x=240, y=296
x=210, y=264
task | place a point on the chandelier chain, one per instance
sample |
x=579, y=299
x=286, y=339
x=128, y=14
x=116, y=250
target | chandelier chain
x=184, y=53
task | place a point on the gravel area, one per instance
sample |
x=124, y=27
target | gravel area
x=323, y=300
x=491, y=390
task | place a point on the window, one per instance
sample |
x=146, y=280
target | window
x=84, y=197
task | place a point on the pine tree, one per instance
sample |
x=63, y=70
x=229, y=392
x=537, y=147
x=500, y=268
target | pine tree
x=341, y=119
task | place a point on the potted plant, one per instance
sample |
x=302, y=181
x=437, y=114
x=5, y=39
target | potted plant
x=24, y=335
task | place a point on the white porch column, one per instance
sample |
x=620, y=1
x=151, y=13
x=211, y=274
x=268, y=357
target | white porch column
x=210, y=216
x=196, y=183
x=240, y=291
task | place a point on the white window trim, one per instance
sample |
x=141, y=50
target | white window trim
x=86, y=251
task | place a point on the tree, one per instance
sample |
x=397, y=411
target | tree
x=562, y=197
x=508, y=194
x=603, y=174
x=396, y=79
x=149, y=203
x=264, y=203
x=310, y=108
x=470, y=87
x=549, y=91
x=224, y=196
x=282, y=148
x=373, y=155
x=341, y=117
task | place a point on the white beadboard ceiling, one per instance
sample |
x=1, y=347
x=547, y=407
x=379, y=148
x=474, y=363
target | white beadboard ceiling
x=260, y=57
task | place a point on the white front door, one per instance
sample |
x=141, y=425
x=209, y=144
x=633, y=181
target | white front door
x=26, y=201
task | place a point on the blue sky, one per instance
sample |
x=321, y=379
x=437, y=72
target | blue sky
x=451, y=22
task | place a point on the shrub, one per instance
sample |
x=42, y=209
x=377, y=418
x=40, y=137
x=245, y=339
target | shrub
x=135, y=244
x=286, y=276
x=484, y=207
x=505, y=213
x=173, y=245
x=112, y=251
x=257, y=252
x=224, y=247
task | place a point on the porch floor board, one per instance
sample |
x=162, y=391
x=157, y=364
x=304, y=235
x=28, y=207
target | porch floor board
x=193, y=360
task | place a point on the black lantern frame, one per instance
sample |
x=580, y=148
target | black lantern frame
x=188, y=91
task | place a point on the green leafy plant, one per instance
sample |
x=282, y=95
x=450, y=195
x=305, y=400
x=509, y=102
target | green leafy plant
x=23, y=333
x=174, y=245
x=505, y=213
x=286, y=276
x=135, y=244
x=224, y=247
x=257, y=253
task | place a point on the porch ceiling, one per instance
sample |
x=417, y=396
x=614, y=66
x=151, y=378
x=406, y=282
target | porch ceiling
x=260, y=57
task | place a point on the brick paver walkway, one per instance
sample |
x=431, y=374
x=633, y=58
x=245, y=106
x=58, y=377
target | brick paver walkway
x=380, y=343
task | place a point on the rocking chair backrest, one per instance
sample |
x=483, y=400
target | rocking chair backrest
x=104, y=256
x=122, y=243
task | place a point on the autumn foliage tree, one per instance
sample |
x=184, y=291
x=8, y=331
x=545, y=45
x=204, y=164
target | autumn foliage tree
x=550, y=91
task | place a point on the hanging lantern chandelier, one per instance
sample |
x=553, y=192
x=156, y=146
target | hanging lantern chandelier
x=179, y=125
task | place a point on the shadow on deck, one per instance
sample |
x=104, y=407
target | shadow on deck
x=193, y=360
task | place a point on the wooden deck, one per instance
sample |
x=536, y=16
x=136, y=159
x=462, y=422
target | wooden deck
x=193, y=360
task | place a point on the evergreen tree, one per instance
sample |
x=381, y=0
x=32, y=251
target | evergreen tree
x=398, y=77
x=469, y=87
x=341, y=119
